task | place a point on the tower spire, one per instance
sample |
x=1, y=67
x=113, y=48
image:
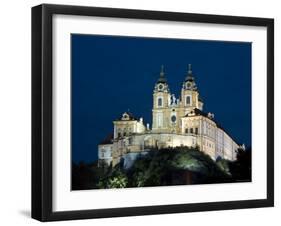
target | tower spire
x=189, y=69
x=189, y=82
x=162, y=74
x=189, y=76
x=162, y=78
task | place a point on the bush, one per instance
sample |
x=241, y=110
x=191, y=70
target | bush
x=168, y=166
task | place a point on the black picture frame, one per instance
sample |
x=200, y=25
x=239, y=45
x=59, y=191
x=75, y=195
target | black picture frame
x=42, y=111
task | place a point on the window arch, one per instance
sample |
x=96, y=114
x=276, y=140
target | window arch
x=187, y=100
x=160, y=102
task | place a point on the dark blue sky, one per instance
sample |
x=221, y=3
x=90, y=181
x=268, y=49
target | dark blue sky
x=111, y=74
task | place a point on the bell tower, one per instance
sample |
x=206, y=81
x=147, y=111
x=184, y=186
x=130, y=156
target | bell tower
x=190, y=98
x=161, y=103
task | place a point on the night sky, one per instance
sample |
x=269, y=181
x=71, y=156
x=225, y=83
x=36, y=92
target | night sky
x=111, y=74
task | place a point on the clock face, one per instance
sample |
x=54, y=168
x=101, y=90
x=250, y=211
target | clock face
x=160, y=87
x=173, y=118
x=188, y=85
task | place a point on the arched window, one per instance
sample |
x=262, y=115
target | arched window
x=160, y=102
x=187, y=100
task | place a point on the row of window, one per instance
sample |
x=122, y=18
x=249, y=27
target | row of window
x=208, y=144
x=129, y=128
x=187, y=101
x=103, y=153
x=127, y=131
x=124, y=134
x=191, y=130
x=208, y=131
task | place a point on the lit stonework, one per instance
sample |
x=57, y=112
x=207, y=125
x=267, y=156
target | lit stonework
x=175, y=122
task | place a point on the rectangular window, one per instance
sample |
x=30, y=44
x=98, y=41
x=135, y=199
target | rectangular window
x=191, y=130
x=196, y=130
x=186, y=130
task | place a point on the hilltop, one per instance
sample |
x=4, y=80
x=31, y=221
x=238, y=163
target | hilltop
x=164, y=167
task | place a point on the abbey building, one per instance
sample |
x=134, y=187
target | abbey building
x=175, y=122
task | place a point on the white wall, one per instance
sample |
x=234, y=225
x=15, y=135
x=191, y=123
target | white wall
x=105, y=151
x=15, y=111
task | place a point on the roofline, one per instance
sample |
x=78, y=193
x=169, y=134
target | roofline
x=217, y=124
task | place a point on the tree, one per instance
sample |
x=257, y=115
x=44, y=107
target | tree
x=223, y=164
x=119, y=181
x=114, y=179
x=241, y=169
x=180, y=165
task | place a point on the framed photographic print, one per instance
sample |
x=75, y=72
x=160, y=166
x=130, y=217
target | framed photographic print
x=145, y=112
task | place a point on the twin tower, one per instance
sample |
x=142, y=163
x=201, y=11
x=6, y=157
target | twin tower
x=168, y=111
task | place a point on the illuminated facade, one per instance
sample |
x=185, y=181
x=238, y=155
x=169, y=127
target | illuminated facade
x=175, y=122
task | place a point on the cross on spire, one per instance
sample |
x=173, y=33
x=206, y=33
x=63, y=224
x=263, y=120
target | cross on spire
x=162, y=78
x=189, y=76
x=162, y=74
x=189, y=69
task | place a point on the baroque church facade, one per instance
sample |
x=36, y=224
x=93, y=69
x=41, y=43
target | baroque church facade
x=175, y=122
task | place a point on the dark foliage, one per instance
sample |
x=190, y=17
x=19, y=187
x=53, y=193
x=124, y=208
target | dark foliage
x=241, y=169
x=85, y=176
x=170, y=166
x=175, y=166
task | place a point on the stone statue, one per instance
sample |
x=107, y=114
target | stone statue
x=174, y=99
x=147, y=126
